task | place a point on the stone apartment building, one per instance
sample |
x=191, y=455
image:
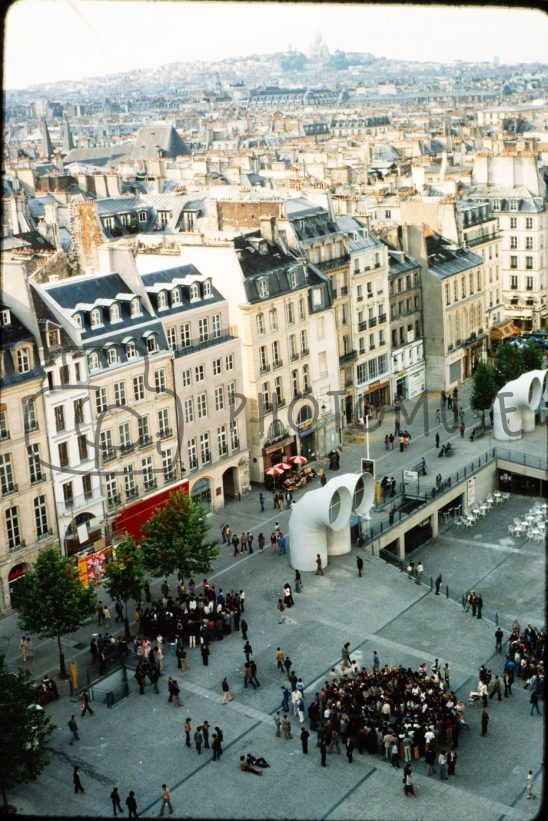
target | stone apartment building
x=454, y=305
x=28, y=521
x=517, y=194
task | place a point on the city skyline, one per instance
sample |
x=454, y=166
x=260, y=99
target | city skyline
x=101, y=37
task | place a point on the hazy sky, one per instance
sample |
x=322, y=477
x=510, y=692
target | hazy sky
x=50, y=40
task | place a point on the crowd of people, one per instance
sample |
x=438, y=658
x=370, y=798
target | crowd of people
x=387, y=710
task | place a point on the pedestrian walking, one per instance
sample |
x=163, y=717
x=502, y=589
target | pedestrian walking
x=166, y=800
x=216, y=747
x=131, y=804
x=298, y=582
x=319, y=569
x=499, y=633
x=496, y=689
x=305, y=735
x=437, y=441
x=323, y=749
x=280, y=607
x=442, y=765
x=438, y=584
x=534, y=703
x=76, y=780
x=437, y=418
x=198, y=740
x=529, y=784
x=174, y=691
x=376, y=662
x=286, y=727
x=84, y=703
x=248, y=650
x=285, y=699
x=115, y=798
x=227, y=695
x=359, y=565
x=420, y=571
x=204, y=650
x=288, y=664
x=73, y=727
x=187, y=727
x=451, y=761
x=261, y=501
x=278, y=723
x=479, y=605
x=462, y=428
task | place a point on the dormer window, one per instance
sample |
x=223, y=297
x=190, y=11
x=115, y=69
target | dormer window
x=5, y=317
x=513, y=205
x=194, y=292
x=93, y=361
x=207, y=288
x=115, y=312
x=131, y=350
x=151, y=340
x=292, y=277
x=78, y=320
x=143, y=216
x=112, y=355
x=96, y=319
x=23, y=360
x=162, y=301
x=176, y=297
x=135, y=307
x=263, y=287
x=54, y=338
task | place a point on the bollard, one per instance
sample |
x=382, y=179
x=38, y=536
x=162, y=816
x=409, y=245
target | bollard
x=446, y=591
x=74, y=675
x=431, y=583
x=110, y=700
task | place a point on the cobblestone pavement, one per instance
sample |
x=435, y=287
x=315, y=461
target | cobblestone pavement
x=138, y=744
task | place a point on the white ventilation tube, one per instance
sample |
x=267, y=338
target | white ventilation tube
x=515, y=405
x=362, y=489
x=315, y=512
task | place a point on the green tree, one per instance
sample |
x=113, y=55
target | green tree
x=125, y=576
x=174, y=539
x=508, y=364
x=484, y=389
x=532, y=357
x=53, y=600
x=25, y=728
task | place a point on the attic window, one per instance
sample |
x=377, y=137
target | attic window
x=54, y=338
x=207, y=288
x=513, y=205
x=135, y=309
x=96, y=320
x=162, y=301
x=5, y=317
x=23, y=360
x=142, y=216
x=176, y=296
x=292, y=277
x=263, y=287
x=78, y=321
x=194, y=292
x=115, y=312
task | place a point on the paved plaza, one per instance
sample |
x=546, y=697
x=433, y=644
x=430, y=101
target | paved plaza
x=139, y=743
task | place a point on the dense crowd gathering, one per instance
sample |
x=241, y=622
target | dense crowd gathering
x=373, y=710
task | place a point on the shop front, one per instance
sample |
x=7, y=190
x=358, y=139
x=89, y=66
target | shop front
x=201, y=492
x=500, y=333
x=377, y=394
x=131, y=519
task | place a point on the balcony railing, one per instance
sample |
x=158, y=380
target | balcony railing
x=294, y=356
x=382, y=318
x=278, y=363
x=132, y=492
x=127, y=447
x=150, y=484
x=362, y=326
x=165, y=433
x=304, y=351
x=108, y=455
x=196, y=345
x=144, y=441
x=373, y=322
x=30, y=426
x=114, y=501
x=264, y=369
x=349, y=356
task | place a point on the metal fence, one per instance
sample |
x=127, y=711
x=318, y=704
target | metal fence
x=449, y=593
x=376, y=529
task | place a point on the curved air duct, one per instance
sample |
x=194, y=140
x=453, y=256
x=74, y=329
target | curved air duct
x=362, y=489
x=515, y=405
x=318, y=510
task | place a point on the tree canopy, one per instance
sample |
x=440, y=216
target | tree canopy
x=125, y=575
x=25, y=728
x=484, y=389
x=175, y=539
x=53, y=601
x=511, y=361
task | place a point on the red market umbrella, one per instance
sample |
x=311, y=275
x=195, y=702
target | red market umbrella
x=298, y=460
x=283, y=466
x=274, y=471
